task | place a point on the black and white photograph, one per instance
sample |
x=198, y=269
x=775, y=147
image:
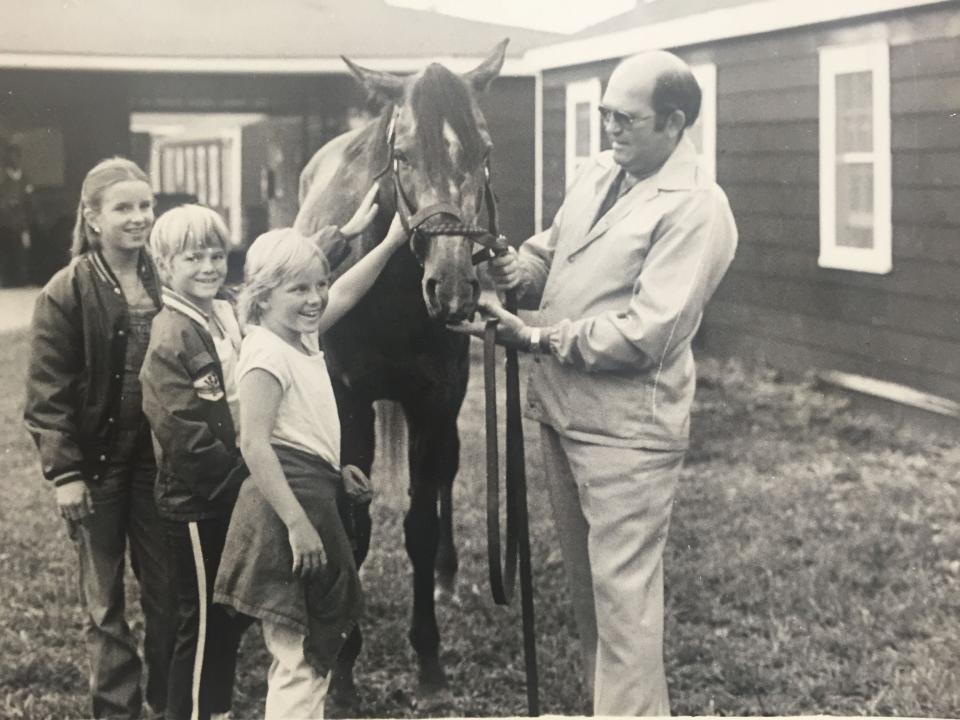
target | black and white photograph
x=479, y=358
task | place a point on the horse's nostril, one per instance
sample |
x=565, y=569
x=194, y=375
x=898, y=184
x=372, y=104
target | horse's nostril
x=431, y=288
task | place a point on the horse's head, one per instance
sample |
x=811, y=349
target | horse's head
x=438, y=145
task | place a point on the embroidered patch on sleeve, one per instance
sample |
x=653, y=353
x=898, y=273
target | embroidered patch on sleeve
x=208, y=386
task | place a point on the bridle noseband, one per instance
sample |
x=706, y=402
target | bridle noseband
x=443, y=218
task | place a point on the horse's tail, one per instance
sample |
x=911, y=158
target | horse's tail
x=391, y=443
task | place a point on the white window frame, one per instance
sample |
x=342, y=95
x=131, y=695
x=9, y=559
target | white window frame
x=706, y=77
x=581, y=91
x=838, y=60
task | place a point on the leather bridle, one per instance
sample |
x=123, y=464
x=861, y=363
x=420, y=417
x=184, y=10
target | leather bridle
x=443, y=218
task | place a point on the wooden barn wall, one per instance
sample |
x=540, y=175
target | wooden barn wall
x=92, y=110
x=776, y=302
x=509, y=111
x=92, y=117
x=508, y=107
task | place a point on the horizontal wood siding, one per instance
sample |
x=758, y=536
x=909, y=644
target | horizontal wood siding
x=509, y=110
x=776, y=302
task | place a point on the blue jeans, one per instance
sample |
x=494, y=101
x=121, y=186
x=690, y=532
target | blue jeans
x=124, y=510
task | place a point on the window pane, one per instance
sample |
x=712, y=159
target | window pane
x=855, y=205
x=583, y=117
x=855, y=112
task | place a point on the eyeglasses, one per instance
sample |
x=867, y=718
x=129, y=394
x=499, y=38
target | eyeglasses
x=622, y=119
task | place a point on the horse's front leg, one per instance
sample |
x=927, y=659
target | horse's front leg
x=447, y=561
x=434, y=457
x=356, y=448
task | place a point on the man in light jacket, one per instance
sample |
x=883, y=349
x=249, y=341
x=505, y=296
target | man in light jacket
x=619, y=283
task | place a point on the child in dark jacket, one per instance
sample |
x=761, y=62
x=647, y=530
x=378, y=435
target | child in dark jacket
x=91, y=326
x=190, y=399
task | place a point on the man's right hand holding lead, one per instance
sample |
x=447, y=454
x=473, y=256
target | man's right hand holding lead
x=505, y=270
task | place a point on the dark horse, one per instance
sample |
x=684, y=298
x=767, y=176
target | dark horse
x=429, y=146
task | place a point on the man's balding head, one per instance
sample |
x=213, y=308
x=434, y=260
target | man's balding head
x=665, y=80
x=649, y=101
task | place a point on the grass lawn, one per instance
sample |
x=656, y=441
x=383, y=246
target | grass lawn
x=813, y=567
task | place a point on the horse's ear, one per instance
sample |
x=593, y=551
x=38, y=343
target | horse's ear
x=382, y=85
x=484, y=73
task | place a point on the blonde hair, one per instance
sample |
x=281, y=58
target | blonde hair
x=186, y=227
x=272, y=259
x=101, y=176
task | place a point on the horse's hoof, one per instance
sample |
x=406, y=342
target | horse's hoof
x=343, y=700
x=445, y=592
x=439, y=702
x=342, y=707
x=432, y=681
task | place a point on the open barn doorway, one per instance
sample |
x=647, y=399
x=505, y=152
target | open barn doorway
x=244, y=166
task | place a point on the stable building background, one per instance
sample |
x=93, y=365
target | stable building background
x=834, y=128
x=225, y=102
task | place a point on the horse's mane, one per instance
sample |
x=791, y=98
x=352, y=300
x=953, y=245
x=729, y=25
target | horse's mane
x=440, y=96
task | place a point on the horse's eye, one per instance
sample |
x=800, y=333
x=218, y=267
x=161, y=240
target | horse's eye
x=401, y=156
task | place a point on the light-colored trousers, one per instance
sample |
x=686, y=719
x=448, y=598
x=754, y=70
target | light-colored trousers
x=294, y=690
x=612, y=509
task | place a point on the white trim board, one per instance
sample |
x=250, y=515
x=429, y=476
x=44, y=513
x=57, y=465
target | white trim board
x=706, y=75
x=512, y=67
x=894, y=392
x=577, y=93
x=751, y=19
x=538, y=153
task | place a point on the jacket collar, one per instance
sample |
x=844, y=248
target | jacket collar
x=679, y=172
x=102, y=269
x=221, y=315
x=176, y=301
x=144, y=269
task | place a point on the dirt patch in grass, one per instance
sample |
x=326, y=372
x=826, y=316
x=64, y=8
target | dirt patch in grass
x=813, y=567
